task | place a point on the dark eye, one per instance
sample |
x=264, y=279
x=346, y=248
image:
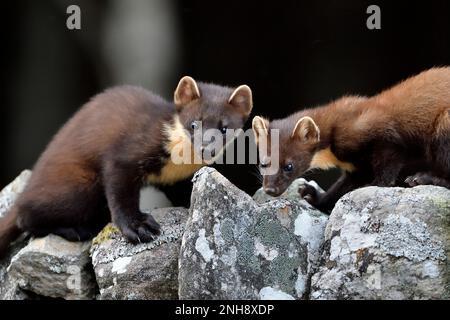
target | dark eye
x=194, y=125
x=288, y=167
x=223, y=129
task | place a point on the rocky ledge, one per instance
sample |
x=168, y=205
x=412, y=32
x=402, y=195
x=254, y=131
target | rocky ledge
x=378, y=243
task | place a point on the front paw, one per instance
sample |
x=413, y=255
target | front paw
x=420, y=178
x=309, y=193
x=141, y=228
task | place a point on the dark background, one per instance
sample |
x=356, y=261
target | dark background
x=293, y=54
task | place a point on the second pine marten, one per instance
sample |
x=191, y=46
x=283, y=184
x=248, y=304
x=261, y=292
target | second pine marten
x=398, y=137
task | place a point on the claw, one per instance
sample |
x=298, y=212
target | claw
x=140, y=229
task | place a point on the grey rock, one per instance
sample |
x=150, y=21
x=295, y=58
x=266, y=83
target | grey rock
x=143, y=271
x=291, y=193
x=152, y=198
x=9, y=193
x=54, y=267
x=9, y=289
x=235, y=248
x=387, y=243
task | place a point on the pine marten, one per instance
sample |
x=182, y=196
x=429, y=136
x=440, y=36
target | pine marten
x=93, y=169
x=400, y=137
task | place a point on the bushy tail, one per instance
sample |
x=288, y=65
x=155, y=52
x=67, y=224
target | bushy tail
x=9, y=231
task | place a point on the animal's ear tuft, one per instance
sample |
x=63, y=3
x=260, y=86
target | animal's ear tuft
x=260, y=128
x=242, y=99
x=186, y=91
x=306, y=130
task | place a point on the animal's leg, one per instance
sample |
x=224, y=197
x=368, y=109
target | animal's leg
x=74, y=210
x=387, y=164
x=326, y=201
x=122, y=186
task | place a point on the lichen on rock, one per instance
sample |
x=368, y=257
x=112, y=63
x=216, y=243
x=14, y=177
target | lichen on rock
x=151, y=268
x=386, y=243
x=109, y=232
x=378, y=243
x=54, y=267
x=236, y=248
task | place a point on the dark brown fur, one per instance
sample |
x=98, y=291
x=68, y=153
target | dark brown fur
x=95, y=166
x=376, y=141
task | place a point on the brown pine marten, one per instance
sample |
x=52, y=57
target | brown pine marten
x=93, y=169
x=400, y=137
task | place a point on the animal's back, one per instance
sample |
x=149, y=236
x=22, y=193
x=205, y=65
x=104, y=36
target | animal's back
x=412, y=109
x=107, y=117
x=74, y=155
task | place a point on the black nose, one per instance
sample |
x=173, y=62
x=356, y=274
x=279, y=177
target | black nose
x=271, y=191
x=213, y=153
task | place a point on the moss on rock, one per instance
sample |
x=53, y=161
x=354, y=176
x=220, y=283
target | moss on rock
x=106, y=234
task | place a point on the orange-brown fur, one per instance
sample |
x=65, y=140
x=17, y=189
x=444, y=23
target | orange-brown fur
x=378, y=140
x=326, y=159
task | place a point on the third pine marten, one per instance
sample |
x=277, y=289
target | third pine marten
x=95, y=166
x=398, y=137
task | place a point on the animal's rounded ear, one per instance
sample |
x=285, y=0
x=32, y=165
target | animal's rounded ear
x=259, y=126
x=242, y=99
x=306, y=130
x=186, y=91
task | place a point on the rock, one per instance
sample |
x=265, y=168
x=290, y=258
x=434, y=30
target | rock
x=387, y=243
x=151, y=198
x=9, y=193
x=49, y=266
x=9, y=289
x=54, y=267
x=235, y=248
x=291, y=193
x=143, y=271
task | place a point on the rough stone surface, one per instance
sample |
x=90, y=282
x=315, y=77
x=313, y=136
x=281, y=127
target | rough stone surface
x=9, y=193
x=9, y=289
x=152, y=198
x=54, y=267
x=387, y=243
x=235, y=248
x=143, y=271
x=379, y=243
